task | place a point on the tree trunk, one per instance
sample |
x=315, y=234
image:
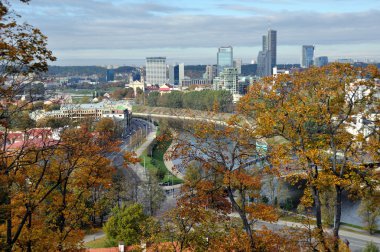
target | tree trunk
x=318, y=215
x=8, y=215
x=29, y=226
x=338, y=214
x=243, y=217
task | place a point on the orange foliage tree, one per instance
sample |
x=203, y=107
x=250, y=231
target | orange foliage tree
x=317, y=114
x=224, y=172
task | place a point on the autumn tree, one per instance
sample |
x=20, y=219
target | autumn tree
x=317, y=113
x=230, y=172
x=153, y=194
x=369, y=211
x=23, y=57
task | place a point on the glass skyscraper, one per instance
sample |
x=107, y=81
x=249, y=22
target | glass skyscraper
x=156, y=70
x=307, y=56
x=272, y=47
x=321, y=61
x=267, y=57
x=224, y=58
x=110, y=75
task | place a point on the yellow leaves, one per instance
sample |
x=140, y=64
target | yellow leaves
x=260, y=211
x=240, y=179
x=307, y=198
x=130, y=158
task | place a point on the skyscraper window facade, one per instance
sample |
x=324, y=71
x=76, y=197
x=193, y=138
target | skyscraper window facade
x=267, y=57
x=321, y=61
x=110, y=75
x=156, y=70
x=224, y=58
x=272, y=47
x=307, y=56
x=176, y=74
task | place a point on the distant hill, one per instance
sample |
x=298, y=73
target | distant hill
x=192, y=71
x=195, y=71
x=76, y=70
x=87, y=70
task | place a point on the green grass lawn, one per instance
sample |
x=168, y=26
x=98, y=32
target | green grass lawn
x=358, y=227
x=98, y=243
x=157, y=165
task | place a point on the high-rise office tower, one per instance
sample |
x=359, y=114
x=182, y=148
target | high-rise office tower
x=264, y=66
x=110, y=75
x=156, y=70
x=265, y=42
x=237, y=64
x=307, y=56
x=224, y=58
x=176, y=74
x=272, y=47
x=267, y=58
x=321, y=61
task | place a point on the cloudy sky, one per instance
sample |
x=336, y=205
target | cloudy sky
x=124, y=32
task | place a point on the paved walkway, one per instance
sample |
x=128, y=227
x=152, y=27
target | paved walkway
x=93, y=237
x=138, y=168
x=169, y=163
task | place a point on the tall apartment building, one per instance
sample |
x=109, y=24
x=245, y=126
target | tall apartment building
x=237, y=64
x=227, y=80
x=156, y=70
x=307, y=56
x=224, y=58
x=210, y=73
x=267, y=57
x=321, y=61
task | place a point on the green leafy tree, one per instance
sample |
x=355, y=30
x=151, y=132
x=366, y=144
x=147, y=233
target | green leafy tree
x=371, y=247
x=153, y=98
x=125, y=224
x=369, y=211
x=153, y=194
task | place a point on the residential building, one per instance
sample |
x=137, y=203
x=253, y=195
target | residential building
x=321, y=61
x=211, y=73
x=227, y=80
x=156, y=70
x=189, y=82
x=237, y=64
x=345, y=61
x=307, y=56
x=119, y=111
x=176, y=74
x=224, y=58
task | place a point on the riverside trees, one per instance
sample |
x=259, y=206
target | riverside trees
x=318, y=114
x=325, y=122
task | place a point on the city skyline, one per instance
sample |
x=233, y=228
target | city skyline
x=124, y=32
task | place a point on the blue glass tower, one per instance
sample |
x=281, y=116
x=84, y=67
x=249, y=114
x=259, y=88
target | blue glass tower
x=307, y=56
x=224, y=58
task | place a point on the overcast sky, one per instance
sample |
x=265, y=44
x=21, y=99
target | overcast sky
x=124, y=32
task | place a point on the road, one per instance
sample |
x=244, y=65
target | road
x=356, y=240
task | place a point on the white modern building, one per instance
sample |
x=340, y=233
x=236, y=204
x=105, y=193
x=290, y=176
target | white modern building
x=156, y=70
